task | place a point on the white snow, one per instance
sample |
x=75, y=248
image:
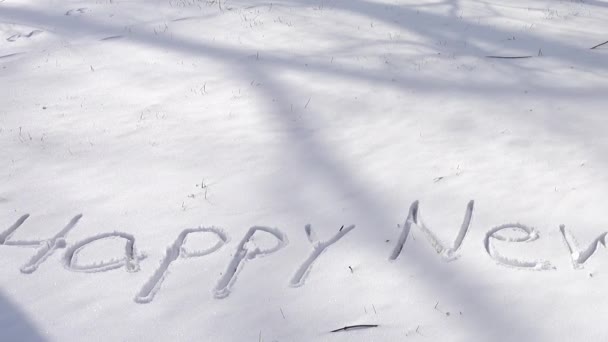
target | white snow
x=205, y=135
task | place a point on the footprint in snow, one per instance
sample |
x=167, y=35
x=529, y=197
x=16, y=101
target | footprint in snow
x=19, y=35
x=76, y=11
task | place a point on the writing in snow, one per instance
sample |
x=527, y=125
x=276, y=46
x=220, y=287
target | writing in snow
x=131, y=258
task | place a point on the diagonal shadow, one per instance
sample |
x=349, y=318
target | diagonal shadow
x=315, y=152
x=15, y=325
x=417, y=22
x=60, y=25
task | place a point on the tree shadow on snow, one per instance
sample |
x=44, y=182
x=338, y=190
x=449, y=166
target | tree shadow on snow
x=15, y=325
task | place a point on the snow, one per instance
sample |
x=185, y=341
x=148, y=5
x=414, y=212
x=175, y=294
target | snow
x=199, y=138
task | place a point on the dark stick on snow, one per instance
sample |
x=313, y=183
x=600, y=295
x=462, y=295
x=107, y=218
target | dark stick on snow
x=358, y=326
x=598, y=45
x=509, y=57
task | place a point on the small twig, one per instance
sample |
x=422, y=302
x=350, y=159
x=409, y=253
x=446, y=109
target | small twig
x=509, y=57
x=358, y=326
x=282, y=313
x=598, y=45
x=417, y=331
x=447, y=313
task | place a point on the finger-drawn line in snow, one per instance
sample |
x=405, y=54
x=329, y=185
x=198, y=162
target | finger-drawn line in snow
x=318, y=247
x=447, y=253
x=45, y=247
x=580, y=257
x=5, y=235
x=19, y=35
x=49, y=246
x=176, y=250
x=530, y=234
x=76, y=11
x=412, y=217
x=242, y=255
x=130, y=260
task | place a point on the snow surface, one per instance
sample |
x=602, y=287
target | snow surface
x=216, y=148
